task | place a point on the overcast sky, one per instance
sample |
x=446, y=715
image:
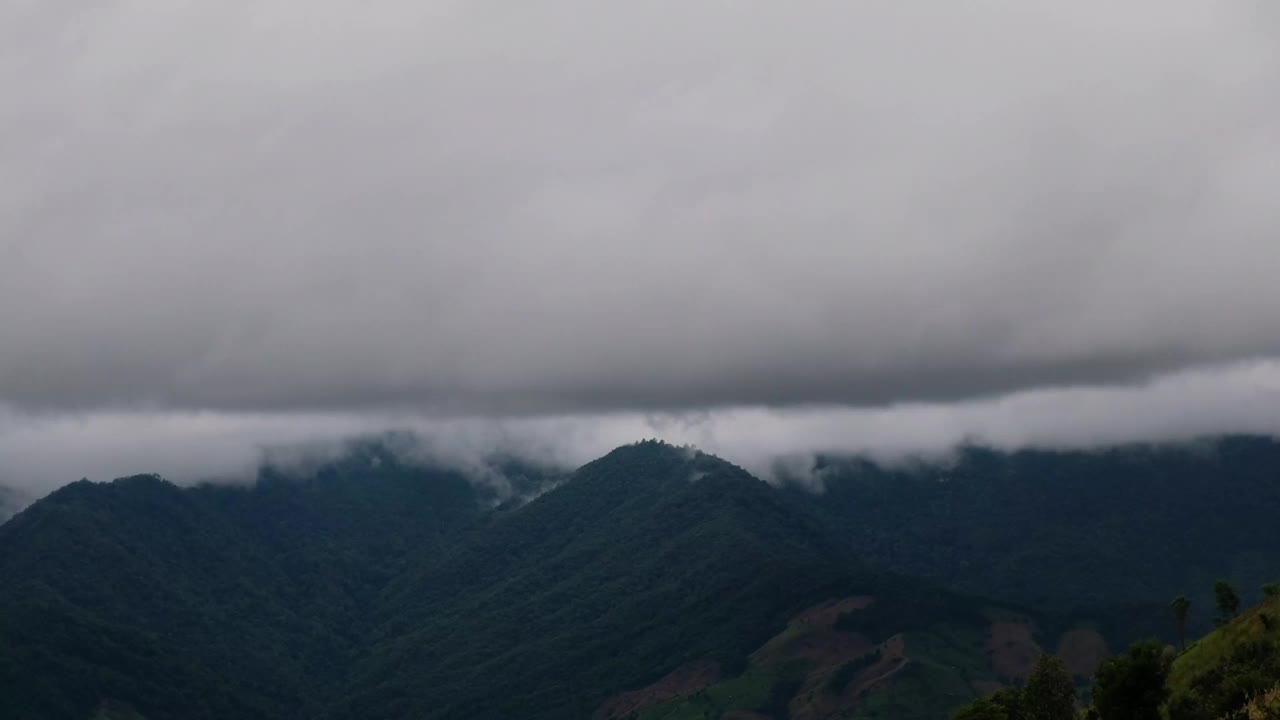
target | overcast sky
x=770, y=225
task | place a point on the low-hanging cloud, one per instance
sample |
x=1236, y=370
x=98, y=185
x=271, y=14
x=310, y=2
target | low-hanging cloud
x=480, y=209
x=38, y=454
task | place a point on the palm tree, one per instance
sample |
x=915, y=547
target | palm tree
x=1181, y=607
x=1228, y=601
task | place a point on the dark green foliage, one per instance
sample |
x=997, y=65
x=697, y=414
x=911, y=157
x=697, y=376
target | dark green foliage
x=1228, y=602
x=112, y=710
x=790, y=678
x=1071, y=530
x=1132, y=686
x=1271, y=589
x=209, y=602
x=1252, y=668
x=981, y=709
x=1238, y=662
x=1006, y=704
x=374, y=590
x=1049, y=693
x=669, y=555
x=1013, y=700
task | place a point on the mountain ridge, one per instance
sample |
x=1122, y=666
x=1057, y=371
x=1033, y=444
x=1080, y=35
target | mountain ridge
x=371, y=587
x=1123, y=525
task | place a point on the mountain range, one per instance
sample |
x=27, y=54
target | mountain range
x=654, y=582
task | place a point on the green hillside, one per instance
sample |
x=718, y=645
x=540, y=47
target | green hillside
x=1219, y=674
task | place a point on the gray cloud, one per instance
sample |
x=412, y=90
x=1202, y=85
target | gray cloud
x=38, y=453
x=557, y=207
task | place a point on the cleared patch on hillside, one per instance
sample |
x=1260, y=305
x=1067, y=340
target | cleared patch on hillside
x=832, y=689
x=683, y=681
x=810, y=635
x=758, y=691
x=825, y=614
x=893, y=658
x=814, y=671
x=1083, y=650
x=1011, y=649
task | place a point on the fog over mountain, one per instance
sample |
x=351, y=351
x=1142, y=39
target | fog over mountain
x=765, y=229
x=40, y=453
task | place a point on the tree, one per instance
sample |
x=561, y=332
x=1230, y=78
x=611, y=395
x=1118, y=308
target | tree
x=1181, y=607
x=1227, y=599
x=1011, y=700
x=1132, y=686
x=1271, y=590
x=1049, y=693
x=1005, y=704
x=982, y=709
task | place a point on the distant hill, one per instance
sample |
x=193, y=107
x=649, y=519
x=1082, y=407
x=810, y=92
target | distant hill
x=214, y=601
x=1125, y=526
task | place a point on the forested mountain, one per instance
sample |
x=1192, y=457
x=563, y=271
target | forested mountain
x=377, y=590
x=1127, y=525
x=648, y=558
x=213, y=601
x=655, y=582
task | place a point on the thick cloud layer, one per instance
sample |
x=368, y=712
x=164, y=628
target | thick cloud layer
x=38, y=454
x=551, y=207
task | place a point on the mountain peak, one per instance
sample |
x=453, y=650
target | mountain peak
x=655, y=447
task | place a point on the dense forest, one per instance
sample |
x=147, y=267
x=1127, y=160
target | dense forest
x=654, y=582
x=1068, y=530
